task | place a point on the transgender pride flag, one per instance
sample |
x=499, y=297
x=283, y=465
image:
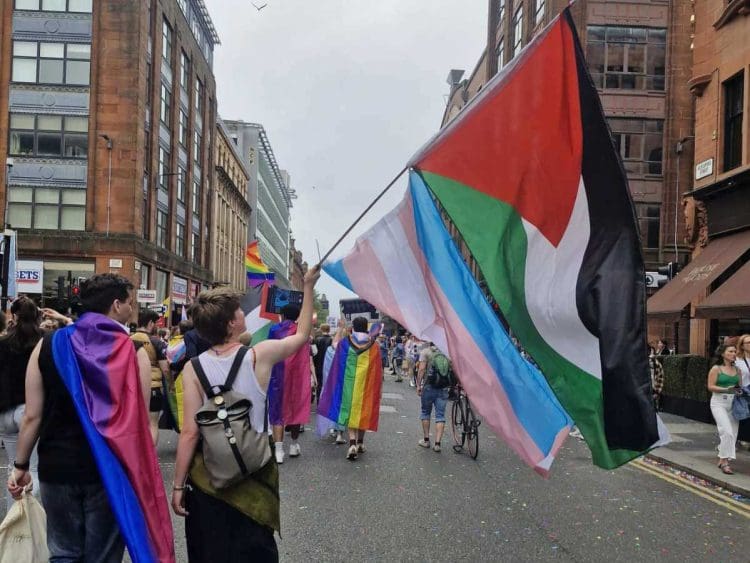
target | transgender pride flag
x=408, y=266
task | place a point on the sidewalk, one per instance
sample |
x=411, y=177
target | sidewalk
x=693, y=449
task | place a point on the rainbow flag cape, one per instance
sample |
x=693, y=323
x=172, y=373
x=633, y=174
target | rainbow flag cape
x=351, y=393
x=97, y=362
x=289, y=389
x=257, y=272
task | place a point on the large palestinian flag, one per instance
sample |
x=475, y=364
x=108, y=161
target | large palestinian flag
x=529, y=176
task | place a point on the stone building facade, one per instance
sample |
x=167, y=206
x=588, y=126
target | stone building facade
x=711, y=291
x=231, y=213
x=111, y=110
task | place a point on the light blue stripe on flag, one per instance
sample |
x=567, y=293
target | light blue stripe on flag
x=533, y=401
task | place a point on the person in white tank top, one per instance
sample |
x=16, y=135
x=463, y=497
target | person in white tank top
x=213, y=524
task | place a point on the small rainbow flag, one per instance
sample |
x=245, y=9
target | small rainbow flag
x=257, y=272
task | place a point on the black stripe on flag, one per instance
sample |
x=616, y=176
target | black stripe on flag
x=611, y=290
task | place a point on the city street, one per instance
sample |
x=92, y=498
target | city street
x=401, y=502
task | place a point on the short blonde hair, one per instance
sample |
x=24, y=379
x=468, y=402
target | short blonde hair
x=740, y=341
x=213, y=311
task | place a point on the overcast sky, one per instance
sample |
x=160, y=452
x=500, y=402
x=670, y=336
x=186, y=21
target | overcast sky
x=347, y=91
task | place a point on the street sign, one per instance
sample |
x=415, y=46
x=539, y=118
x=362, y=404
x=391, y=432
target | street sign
x=705, y=168
x=159, y=308
x=146, y=295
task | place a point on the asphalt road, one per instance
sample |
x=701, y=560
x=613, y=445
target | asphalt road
x=400, y=502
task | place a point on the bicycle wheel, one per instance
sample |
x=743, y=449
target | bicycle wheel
x=457, y=424
x=472, y=433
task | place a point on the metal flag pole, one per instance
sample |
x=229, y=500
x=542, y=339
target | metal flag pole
x=358, y=219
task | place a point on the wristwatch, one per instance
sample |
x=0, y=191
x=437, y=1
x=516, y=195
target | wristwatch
x=22, y=466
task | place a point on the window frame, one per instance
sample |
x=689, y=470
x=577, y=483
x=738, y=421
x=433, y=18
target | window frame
x=179, y=247
x=517, y=28
x=167, y=42
x=35, y=206
x=643, y=162
x=602, y=77
x=162, y=229
x=163, y=168
x=733, y=121
x=63, y=132
x=539, y=6
x=184, y=70
x=649, y=214
x=38, y=59
x=40, y=8
x=165, y=105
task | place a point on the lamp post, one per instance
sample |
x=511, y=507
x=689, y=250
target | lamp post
x=109, y=177
x=6, y=237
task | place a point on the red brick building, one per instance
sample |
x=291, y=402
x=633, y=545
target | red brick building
x=111, y=112
x=711, y=293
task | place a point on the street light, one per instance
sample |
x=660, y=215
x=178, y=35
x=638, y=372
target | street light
x=109, y=176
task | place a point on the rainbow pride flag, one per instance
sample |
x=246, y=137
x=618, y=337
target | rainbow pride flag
x=351, y=394
x=289, y=389
x=97, y=362
x=257, y=272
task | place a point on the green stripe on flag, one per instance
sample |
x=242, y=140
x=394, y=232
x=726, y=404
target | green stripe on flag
x=494, y=234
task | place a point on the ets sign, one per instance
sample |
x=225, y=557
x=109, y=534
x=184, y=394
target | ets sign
x=30, y=276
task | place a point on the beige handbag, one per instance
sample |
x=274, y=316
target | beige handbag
x=232, y=448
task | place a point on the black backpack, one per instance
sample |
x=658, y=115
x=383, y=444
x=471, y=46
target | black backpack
x=440, y=374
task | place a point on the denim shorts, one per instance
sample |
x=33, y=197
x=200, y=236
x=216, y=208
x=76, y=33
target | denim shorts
x=433, y=396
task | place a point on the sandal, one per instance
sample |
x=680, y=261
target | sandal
x=726, y=469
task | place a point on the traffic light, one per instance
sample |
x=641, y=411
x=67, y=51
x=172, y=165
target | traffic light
x=670, y=270
x=60, y=283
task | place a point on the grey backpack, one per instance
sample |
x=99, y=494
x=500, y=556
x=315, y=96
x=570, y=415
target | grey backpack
x=232, y=448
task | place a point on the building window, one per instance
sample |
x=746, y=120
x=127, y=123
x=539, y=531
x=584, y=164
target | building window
x=195, y=247
x=50, y=136
x=500, y=10
x=501, y=53
x=181, y=178
x=640, y=144
x=79, y=6
x=51, y=63
x=183, y=6
x=648, y=222
x=184, y=71
x=197, y=146
x=733, y=99
x=165, y=111
x=166, y=42
x=539, y=11
x=628, y=58
x=517, y=30
x=161, y=229
x=179, y=242
x=164, y=174
x=47, y=208
x=183, y=128
x=199, y=97
x=196, y=202
x=146, y=219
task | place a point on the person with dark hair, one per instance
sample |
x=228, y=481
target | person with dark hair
x=322, y=342
x=724, y=384
x=290, y=387
x=238, y=523
x=195, y=344
x=15, y=351
x=145, y=338
x=87, y=390
x=351, y=394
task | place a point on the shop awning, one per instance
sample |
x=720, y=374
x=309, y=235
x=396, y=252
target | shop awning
x=698, y=275
x=731, y=300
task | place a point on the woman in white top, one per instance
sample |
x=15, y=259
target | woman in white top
x=743, y=358
x=236, y=523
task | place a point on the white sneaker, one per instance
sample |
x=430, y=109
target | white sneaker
x=279, y=455
x=340, y=439
x=424, y=443
x=294, y=450
x=436, y=448
x=351, y=455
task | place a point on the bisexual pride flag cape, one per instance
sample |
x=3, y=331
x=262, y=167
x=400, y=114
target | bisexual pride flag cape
x=289, y=389
x=97, y=362
x=351, y=393
x=257, y=272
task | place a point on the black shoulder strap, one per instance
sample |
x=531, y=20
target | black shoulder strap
x=198, y=368
x=235, y=369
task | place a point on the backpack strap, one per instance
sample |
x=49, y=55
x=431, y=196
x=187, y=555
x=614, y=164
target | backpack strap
x=198, y=368
x=235, y=369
